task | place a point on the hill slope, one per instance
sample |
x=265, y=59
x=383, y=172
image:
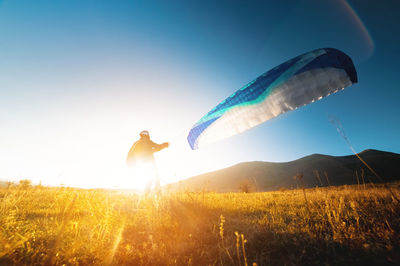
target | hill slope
x=318, y=170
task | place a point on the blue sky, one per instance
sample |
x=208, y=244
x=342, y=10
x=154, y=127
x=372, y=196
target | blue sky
x=80, y=79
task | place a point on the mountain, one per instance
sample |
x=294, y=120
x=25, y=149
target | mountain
x=317, y=170
x=4, y=184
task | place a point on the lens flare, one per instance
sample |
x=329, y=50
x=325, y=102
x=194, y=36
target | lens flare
x=360, y=25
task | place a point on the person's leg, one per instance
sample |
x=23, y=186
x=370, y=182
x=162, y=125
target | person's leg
x=156, y=178
x=148, y=175
x=148, y=186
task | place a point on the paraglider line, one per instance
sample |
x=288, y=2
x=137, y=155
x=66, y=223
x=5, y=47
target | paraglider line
x=336, y=123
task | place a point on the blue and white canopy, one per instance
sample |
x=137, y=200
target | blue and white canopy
x=295, y=83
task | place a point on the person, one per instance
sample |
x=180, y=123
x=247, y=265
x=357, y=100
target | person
x=141, y=155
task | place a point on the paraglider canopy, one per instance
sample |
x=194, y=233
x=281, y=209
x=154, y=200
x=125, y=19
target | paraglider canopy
x=300, y=81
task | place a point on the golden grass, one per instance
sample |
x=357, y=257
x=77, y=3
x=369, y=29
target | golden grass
x=341, y=225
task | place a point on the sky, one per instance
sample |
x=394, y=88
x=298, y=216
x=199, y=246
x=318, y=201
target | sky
x=80, y=79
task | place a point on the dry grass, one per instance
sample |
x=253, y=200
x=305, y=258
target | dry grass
x=341, y=225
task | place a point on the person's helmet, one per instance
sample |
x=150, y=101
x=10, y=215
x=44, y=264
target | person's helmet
x=144, y=133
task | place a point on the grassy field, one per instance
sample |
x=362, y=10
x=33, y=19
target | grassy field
x=336, y=225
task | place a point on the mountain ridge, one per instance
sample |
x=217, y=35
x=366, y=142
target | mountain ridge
x=317, y=170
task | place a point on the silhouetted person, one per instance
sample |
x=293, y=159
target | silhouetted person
x=142, y=155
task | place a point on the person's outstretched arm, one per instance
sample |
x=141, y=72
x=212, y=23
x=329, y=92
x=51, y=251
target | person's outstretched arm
x=158, y=147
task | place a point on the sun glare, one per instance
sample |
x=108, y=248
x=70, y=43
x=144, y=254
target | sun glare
x=133, y=178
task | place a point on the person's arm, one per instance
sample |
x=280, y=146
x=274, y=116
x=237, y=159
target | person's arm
x=158, y=147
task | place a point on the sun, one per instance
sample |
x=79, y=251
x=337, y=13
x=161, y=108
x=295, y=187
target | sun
x=135, y=177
